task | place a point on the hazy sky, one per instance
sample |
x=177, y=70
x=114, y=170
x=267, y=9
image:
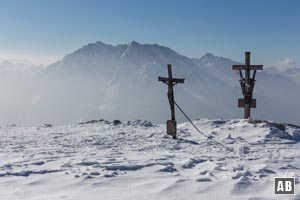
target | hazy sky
x=45, y=30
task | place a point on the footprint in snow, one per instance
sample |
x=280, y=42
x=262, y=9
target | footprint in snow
x=190, y=163
x=289, y=167
x=38, y=163
x=168, y=169
x=205, y=179
x=244, y=150
x=110, y=175
x=95, y=173
x=241, y=186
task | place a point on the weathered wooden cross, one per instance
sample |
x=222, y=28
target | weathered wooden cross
x=170, y=81
x=247, y=84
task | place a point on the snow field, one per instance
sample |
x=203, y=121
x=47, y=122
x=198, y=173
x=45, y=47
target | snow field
x=137, y=160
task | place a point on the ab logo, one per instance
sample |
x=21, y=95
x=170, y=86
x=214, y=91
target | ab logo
x=284, y=185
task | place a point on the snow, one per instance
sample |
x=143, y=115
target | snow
x=137, y=160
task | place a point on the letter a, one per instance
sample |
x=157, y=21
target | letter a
x=280, y=186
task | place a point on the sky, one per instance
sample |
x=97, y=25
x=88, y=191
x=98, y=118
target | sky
x=43, y=31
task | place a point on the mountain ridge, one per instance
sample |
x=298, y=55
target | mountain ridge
x=120, y=82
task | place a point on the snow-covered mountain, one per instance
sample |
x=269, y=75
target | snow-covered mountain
x=20, y=67
x=120, y=82
x=137, y=160
x=220, y=67
x=17, y=87
x=125, y=79
x=277, y=92
x=292, y=72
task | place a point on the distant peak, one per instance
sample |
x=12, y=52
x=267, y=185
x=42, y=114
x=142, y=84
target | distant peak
x=99, y=42
x=133, y=43
x=209, y=55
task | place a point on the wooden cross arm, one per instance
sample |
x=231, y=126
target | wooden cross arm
x=174, y=80
x=162, y=79
x=243, y=67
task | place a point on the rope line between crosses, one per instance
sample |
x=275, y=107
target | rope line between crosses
x=187, y=117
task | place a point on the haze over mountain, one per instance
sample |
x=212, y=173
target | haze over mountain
x=120, y=82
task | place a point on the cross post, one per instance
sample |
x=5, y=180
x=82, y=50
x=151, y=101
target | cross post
x=170, y=81
x=247, y=84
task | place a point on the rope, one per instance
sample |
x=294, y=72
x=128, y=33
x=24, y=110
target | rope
x=218, y=143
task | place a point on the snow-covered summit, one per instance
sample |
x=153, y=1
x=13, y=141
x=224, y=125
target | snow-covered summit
x=137, y=160
x=208, y=56
x=133, y=43
x=210, y=59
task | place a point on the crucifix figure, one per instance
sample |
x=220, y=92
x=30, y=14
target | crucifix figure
x=170, y=81
x=247, y=84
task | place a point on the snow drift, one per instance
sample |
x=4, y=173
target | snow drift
x=137, y=160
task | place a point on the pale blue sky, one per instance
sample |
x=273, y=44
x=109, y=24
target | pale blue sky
x=46, y=30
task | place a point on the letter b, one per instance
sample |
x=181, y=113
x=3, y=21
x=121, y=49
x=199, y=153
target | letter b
x=288, y=186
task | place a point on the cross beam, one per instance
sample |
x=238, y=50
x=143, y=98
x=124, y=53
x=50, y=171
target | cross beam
x=174, y=80
x=244, y=67
x=170, y=81
x=247, y=83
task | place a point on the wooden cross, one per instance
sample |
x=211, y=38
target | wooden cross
x=170, y=81
x=247, y=84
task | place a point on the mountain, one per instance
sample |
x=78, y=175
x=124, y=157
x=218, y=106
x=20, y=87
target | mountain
x=120, y=82
x=277, y=92
x=17, y=86
x=220, y=67
x=293, y=72
x=125, y=77
x=22, y=68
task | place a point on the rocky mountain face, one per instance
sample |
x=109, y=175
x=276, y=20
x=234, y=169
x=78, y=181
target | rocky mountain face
x=120, y=82
x=125, y=79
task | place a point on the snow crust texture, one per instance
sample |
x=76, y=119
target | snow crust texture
x=137, y=160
